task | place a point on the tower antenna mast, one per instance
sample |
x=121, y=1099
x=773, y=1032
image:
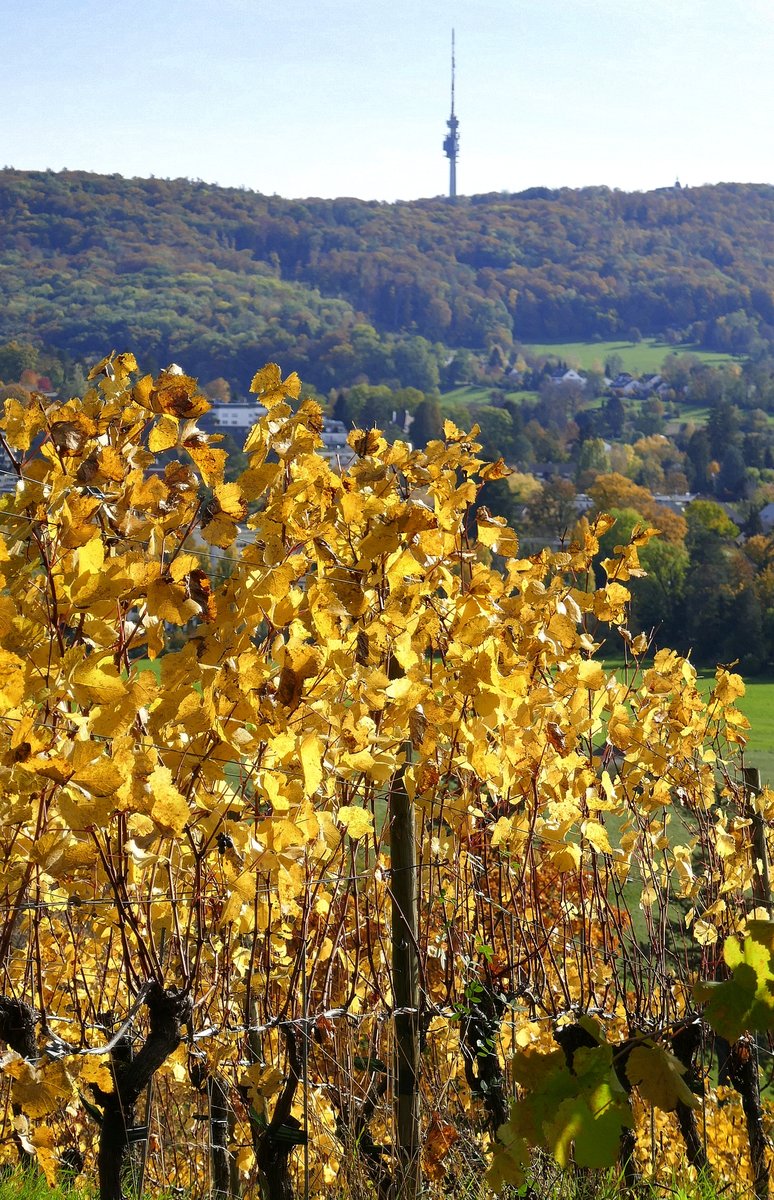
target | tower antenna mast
x=451, y=143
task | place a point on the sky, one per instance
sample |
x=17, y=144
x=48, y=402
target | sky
x=351, y=97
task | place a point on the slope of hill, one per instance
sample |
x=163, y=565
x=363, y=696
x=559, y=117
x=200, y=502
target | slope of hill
x=212, y=276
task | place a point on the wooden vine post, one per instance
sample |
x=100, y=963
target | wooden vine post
x=761, y=878
x=405, y=984
x=744, y=1054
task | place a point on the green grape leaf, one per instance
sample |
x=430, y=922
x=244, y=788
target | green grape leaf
x=546, y=1082
x=586, y=1108
x=594, y=1116
x=746, y=1000
x=510, y=1159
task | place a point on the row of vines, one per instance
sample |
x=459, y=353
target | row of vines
x=331, y=855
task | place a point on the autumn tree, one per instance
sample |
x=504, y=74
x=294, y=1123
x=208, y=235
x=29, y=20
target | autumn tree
x=552, y=512
x=15, y=358
x=616, y=491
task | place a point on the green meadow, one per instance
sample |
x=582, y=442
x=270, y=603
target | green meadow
x=638, y=358
x=468, y=393
x=757, y=704
x=471, y=393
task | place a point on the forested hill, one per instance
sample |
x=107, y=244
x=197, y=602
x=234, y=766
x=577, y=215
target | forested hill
x=221, y=279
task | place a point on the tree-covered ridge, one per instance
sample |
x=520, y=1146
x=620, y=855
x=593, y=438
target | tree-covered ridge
x=220, y=276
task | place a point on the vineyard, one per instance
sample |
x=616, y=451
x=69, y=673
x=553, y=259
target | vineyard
x=379, y=883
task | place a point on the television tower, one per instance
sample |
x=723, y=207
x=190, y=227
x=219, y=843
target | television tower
x=451, y=143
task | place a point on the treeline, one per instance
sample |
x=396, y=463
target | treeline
x=221, y=278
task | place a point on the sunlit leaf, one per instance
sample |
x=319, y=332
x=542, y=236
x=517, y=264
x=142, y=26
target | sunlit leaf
x=271, y=388
x=658, y=1076
x=357, y=822
x=168, y=807
x=746, y=1000
x=40, y=1090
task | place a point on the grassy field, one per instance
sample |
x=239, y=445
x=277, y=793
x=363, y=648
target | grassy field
x=758, y=706
x=472, y=394
x=468, y=394
x=147, y=664
x=638, y=357
x=695, y=414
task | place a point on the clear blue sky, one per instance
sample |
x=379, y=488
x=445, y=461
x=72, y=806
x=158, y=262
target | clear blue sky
x=350, y=97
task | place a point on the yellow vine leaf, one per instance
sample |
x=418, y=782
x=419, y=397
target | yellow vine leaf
x=91, y=556
x=242, y=894
x=114, y=366
x=591, y=674
x=97, y=682
x=262, y=1083
x=21, y=424
x=271, y=388
x=495, y=533
x=96, y=1069
x=163, y=435
x=596, y=835
x=11, y=680
x=169, y=809
x=310, y=752
x=208, y=459
x=728, y=687
x=172, y=393
x=39, y=1090
x=495, y=470
x=658, y=1076
x=42, y=1142
x=357, y=822
x=301, y=662
x=441, y=1136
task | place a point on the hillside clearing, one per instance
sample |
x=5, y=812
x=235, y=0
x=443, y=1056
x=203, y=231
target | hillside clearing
x=639, y=358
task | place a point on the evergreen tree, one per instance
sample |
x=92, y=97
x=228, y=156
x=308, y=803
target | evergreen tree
x=699, y=456
x=753, y=524
x=732, y=480
x=615, y=416
x=516, y=415
x=722, y=427
x=427, y=425
x=342, y=411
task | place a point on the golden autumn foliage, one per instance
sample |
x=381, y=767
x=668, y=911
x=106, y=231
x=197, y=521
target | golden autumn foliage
x=207, y=690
